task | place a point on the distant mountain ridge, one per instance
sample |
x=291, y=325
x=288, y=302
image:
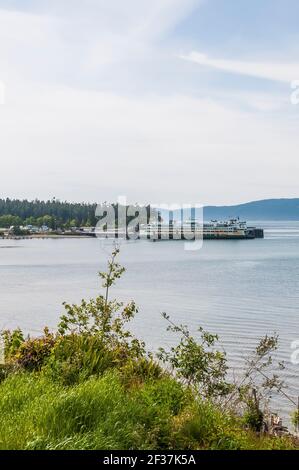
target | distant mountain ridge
x=266, y=209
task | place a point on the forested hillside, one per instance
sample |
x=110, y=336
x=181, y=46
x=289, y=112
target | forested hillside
x=53, y=213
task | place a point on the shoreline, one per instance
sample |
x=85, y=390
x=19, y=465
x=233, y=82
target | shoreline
x=45, y=236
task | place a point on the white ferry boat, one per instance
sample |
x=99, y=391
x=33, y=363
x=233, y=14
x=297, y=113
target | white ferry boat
x=230, y=229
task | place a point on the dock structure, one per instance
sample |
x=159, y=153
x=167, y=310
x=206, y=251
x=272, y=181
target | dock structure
x=258, y=233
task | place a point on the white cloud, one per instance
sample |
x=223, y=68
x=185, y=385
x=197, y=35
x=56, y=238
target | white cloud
x=281, y=72
x=100, y=30
x=93, y=145
x=64, y=133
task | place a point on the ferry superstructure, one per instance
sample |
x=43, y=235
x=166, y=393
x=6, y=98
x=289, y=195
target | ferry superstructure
x=230, y=229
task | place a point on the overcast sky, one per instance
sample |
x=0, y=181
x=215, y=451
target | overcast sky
x=166, y=101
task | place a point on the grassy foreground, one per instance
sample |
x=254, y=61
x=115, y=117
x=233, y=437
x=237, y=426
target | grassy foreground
x=91, y=385
x=103, y=413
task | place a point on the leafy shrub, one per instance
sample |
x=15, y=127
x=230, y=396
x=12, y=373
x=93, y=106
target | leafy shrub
x=31, y=353
x=76, y=357
x=295, y=419
x=254, y=418
x=165, y=394
x=138, y=370
x=12, y=342
x=92, y=335
x=196, y=362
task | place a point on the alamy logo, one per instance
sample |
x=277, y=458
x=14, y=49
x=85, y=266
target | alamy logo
x=295, y=353
x=2, y=93
x=295, y=94
x=152, y=222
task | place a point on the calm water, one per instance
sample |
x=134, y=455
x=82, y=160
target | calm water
x=238, y=289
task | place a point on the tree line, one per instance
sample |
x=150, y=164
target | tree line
x=53, y=213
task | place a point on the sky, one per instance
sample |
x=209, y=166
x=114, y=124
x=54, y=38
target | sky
x=167, y=101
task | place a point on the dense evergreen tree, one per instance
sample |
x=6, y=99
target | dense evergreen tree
x=53, y=213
